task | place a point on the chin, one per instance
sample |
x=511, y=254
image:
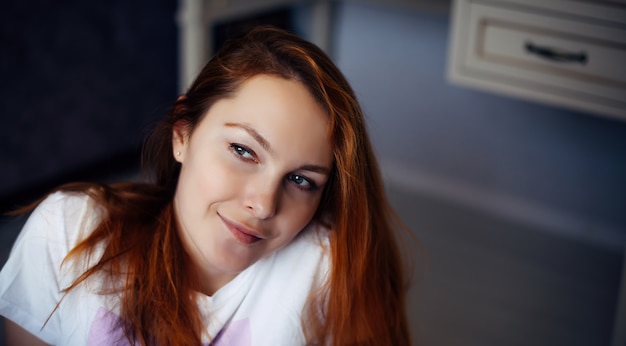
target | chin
x=233, y=264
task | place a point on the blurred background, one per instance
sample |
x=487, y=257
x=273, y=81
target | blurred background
x=520, y=206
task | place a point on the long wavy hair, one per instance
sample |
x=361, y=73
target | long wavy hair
x=363, y=300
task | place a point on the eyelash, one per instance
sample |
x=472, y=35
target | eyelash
x=239, y=151
x=312, y=186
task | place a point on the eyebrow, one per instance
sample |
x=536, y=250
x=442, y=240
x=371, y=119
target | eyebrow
x=266, y=145
x=257, y=136
x=316, y=169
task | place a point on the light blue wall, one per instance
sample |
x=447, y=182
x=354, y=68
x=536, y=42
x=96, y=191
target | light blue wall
x=396, y=59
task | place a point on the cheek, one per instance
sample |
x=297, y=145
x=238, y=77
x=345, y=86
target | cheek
x=300, y=214
x=203, y=181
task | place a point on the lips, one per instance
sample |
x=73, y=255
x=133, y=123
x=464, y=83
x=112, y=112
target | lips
x=243, y=234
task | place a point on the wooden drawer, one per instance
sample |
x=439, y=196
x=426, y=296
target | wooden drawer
x=561, y=52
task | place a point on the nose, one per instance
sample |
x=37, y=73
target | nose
x=262, y=201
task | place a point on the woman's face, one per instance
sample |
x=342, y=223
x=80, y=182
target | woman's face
x=252, y=176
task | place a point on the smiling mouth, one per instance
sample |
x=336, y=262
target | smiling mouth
x=242, y=234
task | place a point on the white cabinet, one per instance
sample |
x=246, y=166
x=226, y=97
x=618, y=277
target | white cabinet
x=195, y=19
x=563, y=52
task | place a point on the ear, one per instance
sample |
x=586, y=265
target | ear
x=180, y=132
x=180, y=140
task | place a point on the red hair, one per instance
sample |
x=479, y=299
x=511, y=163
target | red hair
x=363, y=300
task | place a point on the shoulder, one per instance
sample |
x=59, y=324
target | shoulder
x=298, y=269
x=64, y=204
x=283, y=283
x=53, y=228
x=308, y=252
x=64, y=216
x=32, y=280
x=56, y=225
x=314, y=238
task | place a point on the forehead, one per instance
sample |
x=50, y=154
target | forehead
x=283, y=111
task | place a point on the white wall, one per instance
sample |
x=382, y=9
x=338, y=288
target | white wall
x=560, y=169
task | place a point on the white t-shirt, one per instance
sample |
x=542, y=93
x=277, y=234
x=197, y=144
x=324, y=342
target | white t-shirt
x=261, y=306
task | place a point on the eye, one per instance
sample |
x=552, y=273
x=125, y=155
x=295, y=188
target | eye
x=302, y=182
x=242, y=152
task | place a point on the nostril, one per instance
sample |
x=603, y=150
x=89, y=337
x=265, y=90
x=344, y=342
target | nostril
x=263, y=209
x=262, y=199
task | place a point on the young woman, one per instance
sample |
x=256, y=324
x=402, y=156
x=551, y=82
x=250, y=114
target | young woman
x=265, y=222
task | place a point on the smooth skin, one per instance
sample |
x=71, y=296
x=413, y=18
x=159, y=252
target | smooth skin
x=252, y=176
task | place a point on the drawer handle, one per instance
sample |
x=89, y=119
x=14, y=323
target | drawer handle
x=556, y=54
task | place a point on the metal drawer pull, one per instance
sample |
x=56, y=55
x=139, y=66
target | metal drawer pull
x=556, y=54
